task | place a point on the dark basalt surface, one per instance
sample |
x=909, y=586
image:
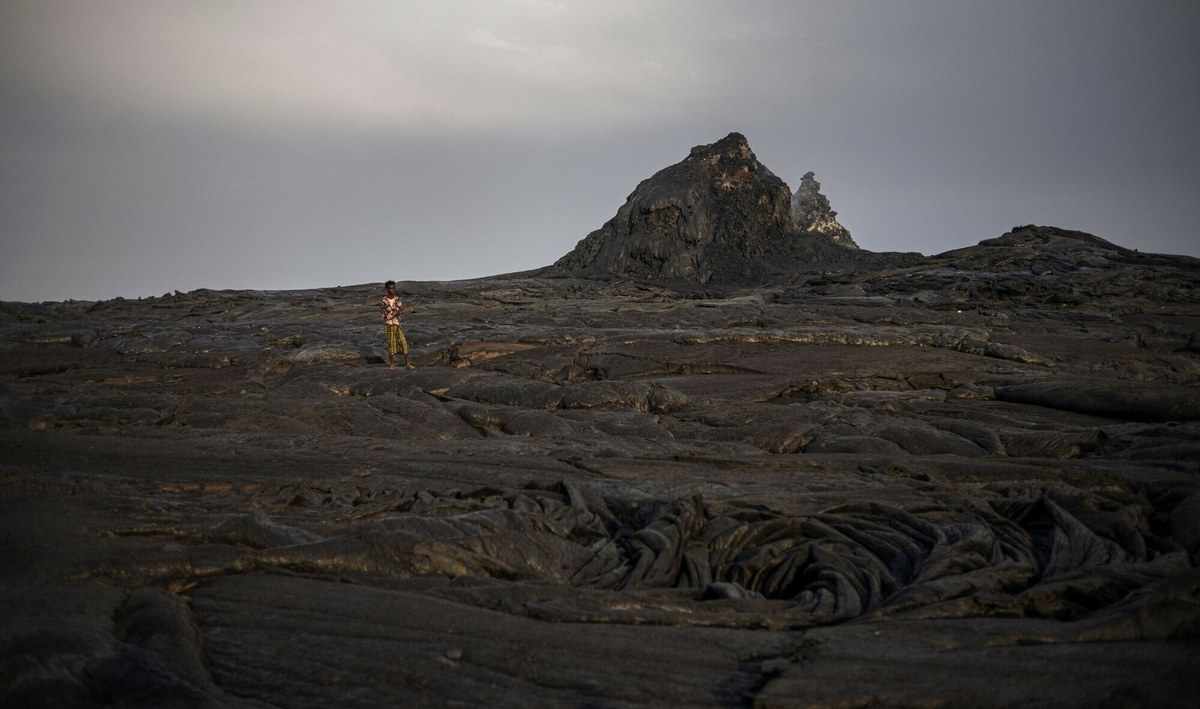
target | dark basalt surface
x=969, y=480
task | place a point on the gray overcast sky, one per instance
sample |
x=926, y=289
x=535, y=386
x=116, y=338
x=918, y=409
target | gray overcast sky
x=154, y=145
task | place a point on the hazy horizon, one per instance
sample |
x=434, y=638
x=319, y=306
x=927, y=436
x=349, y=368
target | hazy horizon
x=153, y=146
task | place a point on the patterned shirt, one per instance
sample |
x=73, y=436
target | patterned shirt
x=390, y=308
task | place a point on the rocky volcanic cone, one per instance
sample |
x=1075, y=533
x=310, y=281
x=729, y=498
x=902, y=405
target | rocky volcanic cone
x=719, y=216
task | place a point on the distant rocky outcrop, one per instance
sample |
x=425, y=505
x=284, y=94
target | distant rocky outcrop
x=719, y=216
x=812, y=214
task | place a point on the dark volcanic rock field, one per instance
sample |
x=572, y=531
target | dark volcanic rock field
x=966, y=480
x=716, y=455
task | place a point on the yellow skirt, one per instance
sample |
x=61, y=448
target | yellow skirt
x=395, y=340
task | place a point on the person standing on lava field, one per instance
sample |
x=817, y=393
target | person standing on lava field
x=391, y=307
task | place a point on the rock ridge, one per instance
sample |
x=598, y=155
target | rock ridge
x=717, y=216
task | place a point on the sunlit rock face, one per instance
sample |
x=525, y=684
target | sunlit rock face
x=812, y=214
x=717, y=216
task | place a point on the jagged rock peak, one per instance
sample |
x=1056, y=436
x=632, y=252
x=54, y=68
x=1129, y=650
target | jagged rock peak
x=719, y=214
x=811, y=212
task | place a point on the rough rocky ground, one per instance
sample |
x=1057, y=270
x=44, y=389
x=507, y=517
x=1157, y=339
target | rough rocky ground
x=969, y=481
